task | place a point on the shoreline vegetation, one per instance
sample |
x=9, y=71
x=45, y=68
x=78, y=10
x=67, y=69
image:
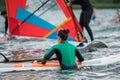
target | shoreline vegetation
x=103, y=6
x=99, y=4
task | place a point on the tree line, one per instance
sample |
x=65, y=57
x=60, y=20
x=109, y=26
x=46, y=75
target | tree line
x=105, y=1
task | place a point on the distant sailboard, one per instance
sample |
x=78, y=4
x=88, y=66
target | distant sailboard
x=97, y=44
x=92, y=46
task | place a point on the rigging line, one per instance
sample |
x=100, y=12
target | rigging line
x=47, y=10
x=30, y=15
x=6, y=59
x=16, y=61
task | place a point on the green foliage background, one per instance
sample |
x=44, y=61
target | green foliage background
x=2, y=5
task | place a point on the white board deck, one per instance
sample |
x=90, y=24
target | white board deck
x=6, y=67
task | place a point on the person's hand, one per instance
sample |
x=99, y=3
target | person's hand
x=43, y=61
x=68, y=3
x=79, y=62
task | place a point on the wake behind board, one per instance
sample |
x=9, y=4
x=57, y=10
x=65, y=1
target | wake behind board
x=92, y=46
x=3, y=38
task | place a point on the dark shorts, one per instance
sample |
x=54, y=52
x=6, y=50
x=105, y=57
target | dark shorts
x=63, y=67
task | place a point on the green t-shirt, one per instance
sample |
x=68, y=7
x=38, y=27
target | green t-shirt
x=67, y=53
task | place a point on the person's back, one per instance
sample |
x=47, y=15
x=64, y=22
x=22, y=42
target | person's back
x=65, y=52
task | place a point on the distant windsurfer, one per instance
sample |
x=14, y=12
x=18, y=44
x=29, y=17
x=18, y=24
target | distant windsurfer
x=65, y=52
x=4, y=14
x=93, y=18
x=117, y=17
x=7, y=34
x=85, y=16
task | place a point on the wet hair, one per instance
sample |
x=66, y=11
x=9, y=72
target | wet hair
x=3, y=12
x=63, y=34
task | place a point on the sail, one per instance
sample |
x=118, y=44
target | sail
x=41, y=18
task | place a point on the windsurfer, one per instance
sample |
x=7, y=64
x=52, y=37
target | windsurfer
x=93, y=18
x=7, y=34
x=85, y=16
x=4, y=15
x=117, y=17
x=65, y=52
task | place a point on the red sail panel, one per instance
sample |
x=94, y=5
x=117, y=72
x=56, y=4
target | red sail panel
x=69, y=25
x=25, y=31
x=12, y=6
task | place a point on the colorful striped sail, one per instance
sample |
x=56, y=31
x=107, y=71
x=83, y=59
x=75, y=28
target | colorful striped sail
x=50, y=16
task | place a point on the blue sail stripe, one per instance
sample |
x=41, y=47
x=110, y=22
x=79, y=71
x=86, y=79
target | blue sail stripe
x=35, y=20
x=54, y=36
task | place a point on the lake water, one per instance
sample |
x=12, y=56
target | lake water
x=25, y=48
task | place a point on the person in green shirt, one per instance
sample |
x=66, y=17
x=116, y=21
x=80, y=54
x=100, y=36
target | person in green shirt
x=66, y=52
